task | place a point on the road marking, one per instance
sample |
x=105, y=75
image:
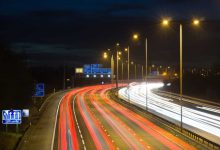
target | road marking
x=83, y=142
x=55, y=123
x=46, y=101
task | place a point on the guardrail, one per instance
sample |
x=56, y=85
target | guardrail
x=192, y=98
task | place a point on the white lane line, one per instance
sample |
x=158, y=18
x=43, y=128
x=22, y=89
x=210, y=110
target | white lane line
x=84, y=146
x=55, y=123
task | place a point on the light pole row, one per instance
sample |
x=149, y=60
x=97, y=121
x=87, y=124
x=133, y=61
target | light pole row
x=118, y=53
x=165, y=22
x=195, y=22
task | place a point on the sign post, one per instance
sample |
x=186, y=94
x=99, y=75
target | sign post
x=39, y=90
x=17, y=129
x=94, y=69
x=11, y=117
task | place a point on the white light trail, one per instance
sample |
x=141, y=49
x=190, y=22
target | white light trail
x=167, y=108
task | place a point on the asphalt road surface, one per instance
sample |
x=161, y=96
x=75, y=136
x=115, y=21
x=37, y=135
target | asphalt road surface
x=89, y=119
x=200, y=116
x=86, y=118
x=40, y=135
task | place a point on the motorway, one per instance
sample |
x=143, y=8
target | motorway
x=40, y=134
x=88, y=119
x=200, y=116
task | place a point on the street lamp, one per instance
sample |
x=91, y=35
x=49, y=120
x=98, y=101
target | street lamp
x=142, y=72
x=135, y=36
x=122, y=64
x=196, y=22
x=135, y=71
x=146, y=70
x=105, y=56
x=117, y=58
x=165, y=22
x=128, y=51
x=122, y=71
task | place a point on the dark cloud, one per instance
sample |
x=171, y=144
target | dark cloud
x=84, y=28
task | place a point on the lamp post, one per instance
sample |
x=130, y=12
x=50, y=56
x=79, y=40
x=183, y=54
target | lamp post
x=128, y=75
x=146, y=69
x=196, y=22
x=117, y=58
x=122, y=71
x=128, y=51
x=112, y=68
x=135, y=71
x=132, y=63
x=134, y=37
x=105, y=56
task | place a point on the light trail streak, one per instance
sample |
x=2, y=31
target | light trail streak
x=67, y=137
x=169, y=110
x=120, y=128
x=156, y=132
x=214, y=106
x=100, y=139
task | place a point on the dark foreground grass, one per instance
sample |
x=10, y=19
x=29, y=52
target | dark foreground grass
x=8, y=141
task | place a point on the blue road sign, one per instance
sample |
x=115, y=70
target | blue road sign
x=95, y=69
x=39, y=91
x=11, y=116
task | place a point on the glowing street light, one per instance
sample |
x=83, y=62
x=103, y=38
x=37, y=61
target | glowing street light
x=117, y=59
x=105, y=55
x=165, y=22
x=135, y=36
x=164, y=74
x=196, y=22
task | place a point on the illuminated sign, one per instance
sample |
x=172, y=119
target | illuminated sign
x=95, y=69
x=39, y=91
x=79, y=70
x=11, y=116
x=25, y=113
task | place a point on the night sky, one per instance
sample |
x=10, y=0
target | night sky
x=74, y=32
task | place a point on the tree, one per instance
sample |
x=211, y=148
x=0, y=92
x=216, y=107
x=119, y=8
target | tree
x=15, y=81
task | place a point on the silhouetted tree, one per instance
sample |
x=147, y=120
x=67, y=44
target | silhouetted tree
x=15, y=82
